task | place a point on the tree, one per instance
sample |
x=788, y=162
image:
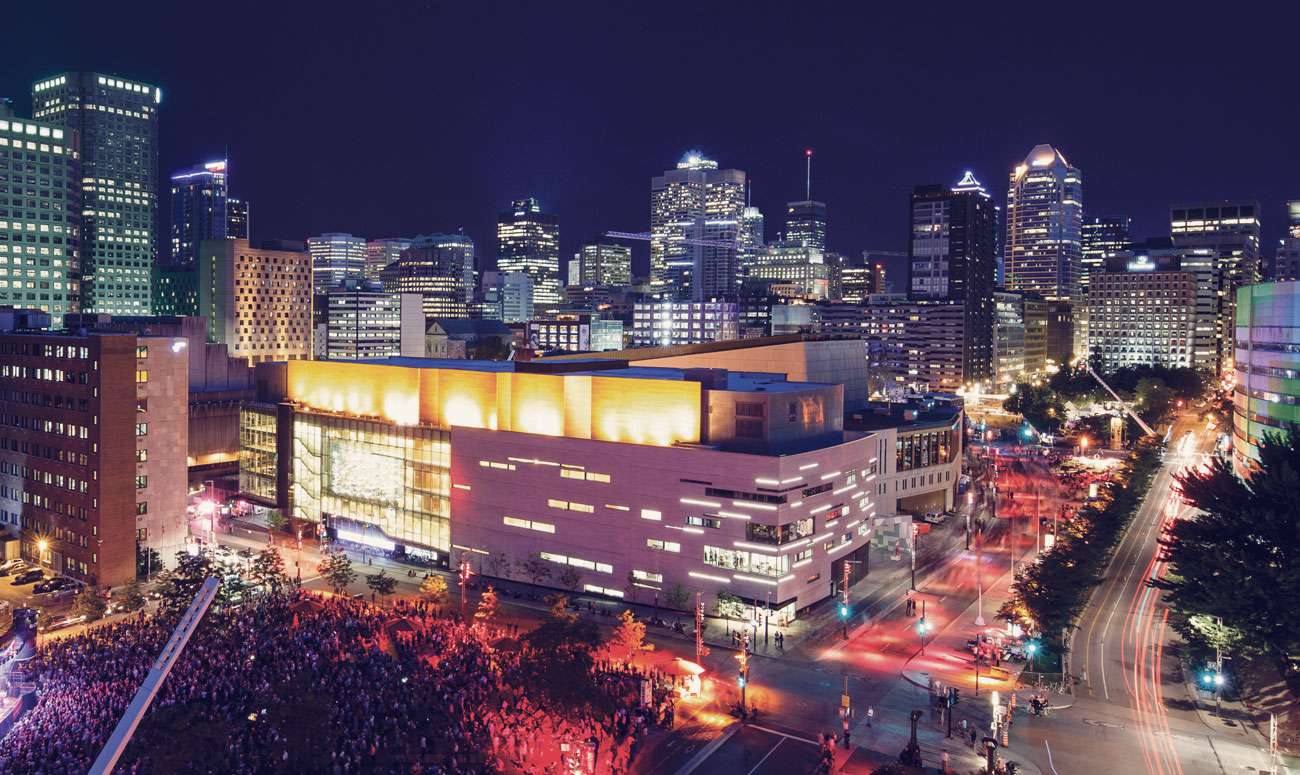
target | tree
x=633, y=586
x=90, y=604
x=559, y=610
x=487, y=607
x=1039, y=405
x=1238, y=561
x=133, y=596
x=381, y=583
x=677, y=597
x=729, y=606
x=268, y=570
x=557, y=655
x=569, y=578
x=179, y=585
x=496, y=564
x=435, y=588
x=276, y=521
x=231, y=591
x=336, y=569
x=535, y=568
x=629, y=635
x=147, y=562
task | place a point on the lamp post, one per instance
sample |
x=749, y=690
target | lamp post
x=922, y=628
x=1031, y=648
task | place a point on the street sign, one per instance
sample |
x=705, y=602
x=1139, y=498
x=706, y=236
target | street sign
x=844, y=701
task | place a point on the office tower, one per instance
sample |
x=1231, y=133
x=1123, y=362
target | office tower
x=258, y=301
x=1267, y=393
x=424, y=458
x=99, y=466
x=751, y=236
x=665, y=323
x=788, y=270
x=695, y=218
x=1008, y=340
x=116, y=121
x=1044, y=249
x=365, y=322
x=573, y=271
x=528, y=241
x=239, y=218
x=1231, y=231
x=380, y=253
x=507, y=296
x=200, y=211
x=439, y=267
x=1035, y=314
x=40, y=239
x=914, y=345
x=1143, y=313
x=605, y=264
x=1286, y=262
x=1103, y=236
x=336, y=257
x=952, y=257
x=860, y=280
x=805, y=223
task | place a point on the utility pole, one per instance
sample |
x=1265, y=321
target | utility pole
x=743, y=659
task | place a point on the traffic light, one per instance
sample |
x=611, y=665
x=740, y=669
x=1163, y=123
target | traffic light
x=844, y=610
x=1031, y=648
x=740, y=681
x=922, y=626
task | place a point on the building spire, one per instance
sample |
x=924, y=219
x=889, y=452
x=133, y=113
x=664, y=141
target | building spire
x=807, y=191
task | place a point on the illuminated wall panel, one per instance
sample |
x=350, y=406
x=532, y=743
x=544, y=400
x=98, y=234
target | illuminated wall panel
x=468, y=398
x=650, y=411
x=360, y=389
x=577, y=407
x=537, y=404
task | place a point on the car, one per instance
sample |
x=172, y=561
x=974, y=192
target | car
x=60, y=622
x=57, y=584
x=13, y=566
x=27, y=577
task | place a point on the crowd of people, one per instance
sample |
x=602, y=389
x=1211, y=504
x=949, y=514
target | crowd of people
x=306, y=683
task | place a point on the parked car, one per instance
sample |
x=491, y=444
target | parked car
x=28, y=576
x=60, y=622
x=13, y=566
x=57, y=584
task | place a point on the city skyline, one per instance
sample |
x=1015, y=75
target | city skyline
x=589, y=165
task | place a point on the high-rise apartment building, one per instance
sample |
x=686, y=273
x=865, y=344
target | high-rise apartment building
x=914, y=345
x=1008, y=340
x=258, y=301
x=1103, y=237
x=335, y=258
x=1143, y=313
x=365, y=322
x=605, y=264
x=805, y=223
x=696, y=213
x=952, y=257
x=40, y=231
x=381, y=253
x=93, y=450
x=528, y=241
x=439, y=267
x=116, y=121
x=1267, y=362
x=858, y=281
x=664, y=323
x=1231, y=230
x=1044, y=248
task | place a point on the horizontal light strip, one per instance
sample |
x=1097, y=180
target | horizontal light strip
x=795, y=479
x=707, y=577
x=698, y=502
x=468, y=549
x=755, y=506
x=617, y=507
x=754, y=580
x=794, y=545
x=801, y=563
x=845, y=488
x=461, y=486
x=822, y=537
x=532, y=461
x=647, y=586
x=784, y=579
x=755, y=547
x=763, y=480
x=844, y=545
x=732, y=515
x=820, y=509
x=796, y=504
x=832, y=523
x=831, y=475
x=806, y=466
x=854, y=523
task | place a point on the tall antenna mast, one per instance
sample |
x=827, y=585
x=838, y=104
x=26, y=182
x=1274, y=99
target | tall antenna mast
x=808, y=179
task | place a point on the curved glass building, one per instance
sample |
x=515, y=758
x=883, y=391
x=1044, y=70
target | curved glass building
x=1267, y=360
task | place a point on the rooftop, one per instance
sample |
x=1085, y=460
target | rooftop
x=651, y=353
x=905, y=415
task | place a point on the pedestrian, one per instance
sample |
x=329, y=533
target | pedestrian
x=973, y=735
x=871, y=714
x=944, y=759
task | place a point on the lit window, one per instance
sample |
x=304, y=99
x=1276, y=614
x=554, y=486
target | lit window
x=663, y=546
x=651, y=514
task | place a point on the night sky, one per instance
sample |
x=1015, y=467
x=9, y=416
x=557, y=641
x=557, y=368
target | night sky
x=394, y=118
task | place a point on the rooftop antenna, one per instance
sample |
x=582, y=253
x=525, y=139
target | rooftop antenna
x=808, y=175
x=749, y=193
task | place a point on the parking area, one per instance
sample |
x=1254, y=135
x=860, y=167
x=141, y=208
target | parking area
x=763, y=750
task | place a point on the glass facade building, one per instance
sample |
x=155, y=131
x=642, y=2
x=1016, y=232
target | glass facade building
x=117, y=123
x=696, y=213
x=528, y=241
x=1267, y=362
x=439, y=267
x=335, y=258
x=1044, y=247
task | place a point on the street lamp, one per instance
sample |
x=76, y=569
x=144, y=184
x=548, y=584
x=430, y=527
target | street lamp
x=923, y=628
x=1031, y=648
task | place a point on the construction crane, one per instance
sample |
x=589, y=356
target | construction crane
x=1149, y=430
x=646, y=236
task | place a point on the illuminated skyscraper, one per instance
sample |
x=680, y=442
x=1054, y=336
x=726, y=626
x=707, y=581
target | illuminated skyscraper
x=116, y=121
x=952, y=256
x=381, y=253
x=439, y=267
x=805, y=223
x=1286, y=262
x=1103, y=236
x=44, y=274
x=606, y=264
x=239, y=218
x=1231, y=231
x=200, y=210
x=751, y=234
x=1044, y=248
x=528, y=241
x=695, y=219
x=336, y=257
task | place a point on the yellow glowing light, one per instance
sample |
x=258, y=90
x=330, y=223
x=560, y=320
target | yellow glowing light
x=42, y=545
x=461, y=410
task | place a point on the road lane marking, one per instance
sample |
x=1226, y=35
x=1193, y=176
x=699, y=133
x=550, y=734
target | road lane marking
x=769, y=753
x=1050, y=763
x=783, y=734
